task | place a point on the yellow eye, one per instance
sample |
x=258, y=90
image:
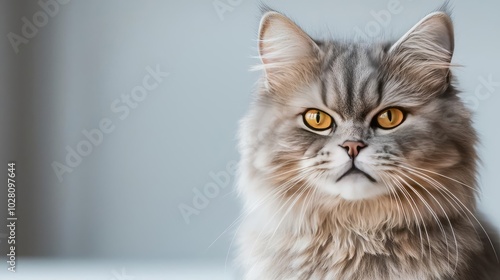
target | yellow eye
x=317, y=120
x=390, y=118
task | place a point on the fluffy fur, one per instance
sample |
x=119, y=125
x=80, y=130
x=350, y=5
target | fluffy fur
x=417, y=218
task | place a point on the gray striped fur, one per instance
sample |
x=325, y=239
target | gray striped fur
x=418, y=220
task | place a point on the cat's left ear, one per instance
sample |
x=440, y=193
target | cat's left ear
x=424, y=53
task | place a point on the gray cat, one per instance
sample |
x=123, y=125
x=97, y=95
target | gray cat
x=358, y=161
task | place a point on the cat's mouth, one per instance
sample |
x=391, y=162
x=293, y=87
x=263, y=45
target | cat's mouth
x=354, y=170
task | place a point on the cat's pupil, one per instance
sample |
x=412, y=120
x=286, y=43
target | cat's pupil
x=317, y=117
x=389, y=115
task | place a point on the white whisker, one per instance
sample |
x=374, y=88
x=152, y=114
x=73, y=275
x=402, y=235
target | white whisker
x=447, y=218
x=462, y=206
x=415, y=210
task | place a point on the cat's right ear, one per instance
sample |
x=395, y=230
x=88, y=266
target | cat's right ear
x=287, y=53
x=424, y=53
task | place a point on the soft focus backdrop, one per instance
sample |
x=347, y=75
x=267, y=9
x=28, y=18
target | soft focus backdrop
x=136, y=105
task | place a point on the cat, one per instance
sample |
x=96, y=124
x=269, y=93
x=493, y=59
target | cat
x=358, y=161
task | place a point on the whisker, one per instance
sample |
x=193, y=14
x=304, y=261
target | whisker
x=259, y=203
x=397, y=199
x=426, y=204
x=304, y=187
x=278, y=191
x=415, y=210
x=439, y=222
x=291, y=184
x=313, y=192
x=452, y=195
x=444, y=176
x=442, y=190
x=281, y=207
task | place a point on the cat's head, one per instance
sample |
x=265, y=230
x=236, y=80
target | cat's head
x=358, y=120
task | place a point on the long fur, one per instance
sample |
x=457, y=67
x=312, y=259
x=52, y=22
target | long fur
x=419, y=221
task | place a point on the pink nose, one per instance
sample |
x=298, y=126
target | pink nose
x=353, y=147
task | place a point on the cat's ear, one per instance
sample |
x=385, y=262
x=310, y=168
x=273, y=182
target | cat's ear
x=287, y=53
x=424, y=53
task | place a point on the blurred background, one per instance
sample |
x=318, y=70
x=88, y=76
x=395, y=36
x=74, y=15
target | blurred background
x=121, y=117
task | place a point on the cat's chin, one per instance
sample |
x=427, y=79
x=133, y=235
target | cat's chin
x=355, y=187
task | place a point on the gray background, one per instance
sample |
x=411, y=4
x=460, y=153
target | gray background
x=122, y=200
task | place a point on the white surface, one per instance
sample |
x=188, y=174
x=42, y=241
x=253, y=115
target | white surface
x=114, y=270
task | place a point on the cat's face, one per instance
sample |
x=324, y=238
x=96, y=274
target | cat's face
x=357, y=120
